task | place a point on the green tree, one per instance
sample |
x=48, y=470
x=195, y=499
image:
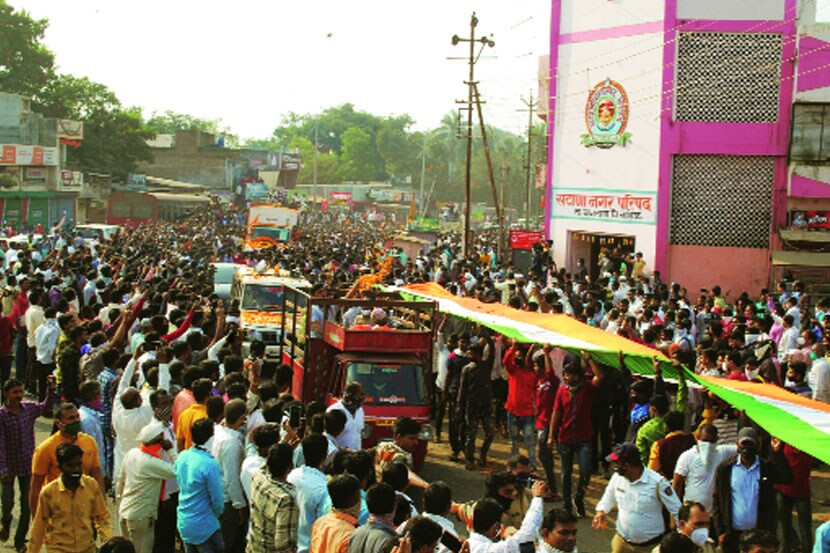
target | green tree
x=170, y=121
x=115, y=138
x=26, y=64
x=359, y=155
x=328, y=164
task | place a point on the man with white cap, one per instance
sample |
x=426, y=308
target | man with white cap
x=140, y=483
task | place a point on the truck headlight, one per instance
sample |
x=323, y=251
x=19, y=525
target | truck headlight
x=426, y=432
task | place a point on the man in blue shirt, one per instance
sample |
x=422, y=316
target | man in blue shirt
x=744, y=494
x=201, y=499
x=312, y=488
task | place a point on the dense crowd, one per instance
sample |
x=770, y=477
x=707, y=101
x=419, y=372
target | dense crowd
x=200, y=444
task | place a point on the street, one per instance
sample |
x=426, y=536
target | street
x=469, y=485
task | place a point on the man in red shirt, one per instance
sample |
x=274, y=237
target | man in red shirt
x=796, y=495
x=571, y=428
x=521, y=386
x=547, y=384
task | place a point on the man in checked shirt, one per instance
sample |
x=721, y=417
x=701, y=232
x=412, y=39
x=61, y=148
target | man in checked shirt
x=17, y=435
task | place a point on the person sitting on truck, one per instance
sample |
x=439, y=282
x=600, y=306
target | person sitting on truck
x=401, y=450
x=380, y=320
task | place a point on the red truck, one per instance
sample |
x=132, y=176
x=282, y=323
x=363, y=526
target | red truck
x=328, y=343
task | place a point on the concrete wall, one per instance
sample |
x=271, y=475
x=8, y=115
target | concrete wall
x=192, y=159
x=735, y=269
x=619, y=40
x=734, y=10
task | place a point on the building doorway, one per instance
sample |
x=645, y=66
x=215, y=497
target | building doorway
x=590, y=246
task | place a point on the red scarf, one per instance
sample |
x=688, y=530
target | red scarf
x=155, y=451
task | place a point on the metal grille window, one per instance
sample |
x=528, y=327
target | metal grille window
x=722, y=201
x=811, y=132
x=728, y=77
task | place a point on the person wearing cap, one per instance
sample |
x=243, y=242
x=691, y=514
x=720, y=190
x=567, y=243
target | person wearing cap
x=640, y=494
x=140, y=484
x=744, y=496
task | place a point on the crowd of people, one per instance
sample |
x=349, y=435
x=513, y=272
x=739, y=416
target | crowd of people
x=171, y=430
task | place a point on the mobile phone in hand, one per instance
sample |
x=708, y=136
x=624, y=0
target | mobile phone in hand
x=450, y=542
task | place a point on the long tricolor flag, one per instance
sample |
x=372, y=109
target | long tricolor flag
x=801, y=422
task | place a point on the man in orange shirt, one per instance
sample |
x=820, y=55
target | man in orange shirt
x=331, y=533
x=45, y=466
x=202, y=389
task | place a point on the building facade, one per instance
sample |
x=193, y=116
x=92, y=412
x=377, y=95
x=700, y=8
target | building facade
x=35, y=187
x=670, y=132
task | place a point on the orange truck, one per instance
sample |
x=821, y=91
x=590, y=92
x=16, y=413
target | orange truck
x=269, y=226
x=332, y=341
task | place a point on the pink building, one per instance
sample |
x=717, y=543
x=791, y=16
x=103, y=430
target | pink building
x=694, y=131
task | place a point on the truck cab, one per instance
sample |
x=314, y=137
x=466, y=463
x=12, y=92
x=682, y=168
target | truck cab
x=269, y=226
x=327, y=346
x=261, y=297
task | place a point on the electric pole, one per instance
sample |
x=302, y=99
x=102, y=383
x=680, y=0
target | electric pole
x=467, y=236
x=530, y=108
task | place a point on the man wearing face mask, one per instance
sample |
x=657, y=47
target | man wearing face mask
x=693, y=522
x=45, y=466
x=640, y=494
x=352, y=405
x=744, y=496
x=70, y=508
x=694, y=473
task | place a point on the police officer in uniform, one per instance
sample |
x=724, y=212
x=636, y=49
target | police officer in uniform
x=640, y=494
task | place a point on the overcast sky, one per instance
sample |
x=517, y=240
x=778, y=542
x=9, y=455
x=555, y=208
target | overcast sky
x=248, y=62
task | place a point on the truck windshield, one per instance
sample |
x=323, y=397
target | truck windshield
x=260, y=297
x=277, y=233
x=387, y=384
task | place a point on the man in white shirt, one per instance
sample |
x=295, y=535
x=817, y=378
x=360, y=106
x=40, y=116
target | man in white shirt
x=46, y=340
x=264, y=436
x=141, y=482
x=32, y=319
x=694, y=473
x=129, y=415
x=437, y=505
x=352, y=405
x=229, y=451
x=165, y=528
x=819, y=377
x=639, y=494
x=558, y=532
x=487, y=517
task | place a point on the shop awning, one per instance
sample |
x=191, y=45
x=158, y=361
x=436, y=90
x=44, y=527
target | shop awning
x=805, y=235
x=804, y=259
x=27, y=194
x=170, y=183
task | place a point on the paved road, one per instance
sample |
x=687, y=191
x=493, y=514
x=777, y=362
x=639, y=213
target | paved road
x=467, y=485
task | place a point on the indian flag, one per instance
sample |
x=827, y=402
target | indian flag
x=801, y=422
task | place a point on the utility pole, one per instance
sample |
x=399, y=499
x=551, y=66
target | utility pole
x=499, y=207
x=467, y=237
x=314, y=172
x=530, y=108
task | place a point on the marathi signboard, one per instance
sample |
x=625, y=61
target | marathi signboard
x=810, y=220
x=71, y=181
x=524, y=239
x=17, y=154
x=605, y=205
